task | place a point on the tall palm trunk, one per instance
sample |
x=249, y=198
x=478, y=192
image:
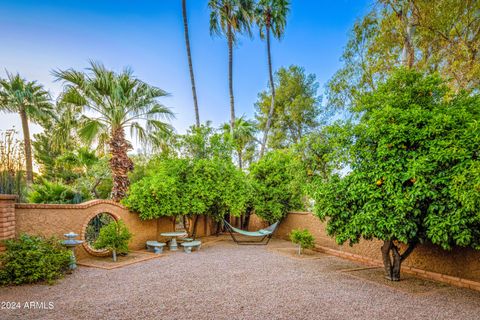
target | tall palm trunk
x=240, y=160
x=272, y=102
x=120, y=163
x=190, y=66
x=230, y=78
x=27, y=146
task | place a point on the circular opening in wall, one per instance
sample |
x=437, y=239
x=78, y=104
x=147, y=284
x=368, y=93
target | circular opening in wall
x=93, y=230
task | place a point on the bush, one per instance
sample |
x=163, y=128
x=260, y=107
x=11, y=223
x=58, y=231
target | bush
x=303, y=238
x=32, y=259
x=114, y=236
x=51, y=192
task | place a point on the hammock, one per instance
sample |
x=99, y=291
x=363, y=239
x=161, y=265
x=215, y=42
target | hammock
x=263, y=234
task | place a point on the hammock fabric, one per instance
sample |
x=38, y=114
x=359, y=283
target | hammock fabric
x=266, y=233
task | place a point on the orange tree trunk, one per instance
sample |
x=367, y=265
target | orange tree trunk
x=120, y=164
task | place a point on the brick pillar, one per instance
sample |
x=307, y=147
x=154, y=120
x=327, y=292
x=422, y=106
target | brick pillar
x=7, y=218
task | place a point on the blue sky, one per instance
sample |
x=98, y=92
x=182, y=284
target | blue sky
x=38, y=36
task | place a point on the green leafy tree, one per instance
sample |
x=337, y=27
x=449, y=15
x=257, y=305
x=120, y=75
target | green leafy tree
x=297, y=107
x=32, y=102
x=204, y=142
x=271, y=19
x=118, y=101
x=276, y=185
x=443, y=36
x=413, y=173
x=230, y=18
x=115, y=237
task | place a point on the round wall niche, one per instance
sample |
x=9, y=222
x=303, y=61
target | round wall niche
x=92, y=230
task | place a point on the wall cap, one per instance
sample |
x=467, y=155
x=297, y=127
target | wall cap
x=83, y=205
x=300, y=212
x=8, y=197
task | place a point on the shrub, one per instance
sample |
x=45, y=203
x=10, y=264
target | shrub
x=51, y=192
x=303, y=238
x=114, y=236
x=32, y=259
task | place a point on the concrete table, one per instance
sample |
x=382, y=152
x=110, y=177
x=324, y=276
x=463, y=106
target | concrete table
x=173, y=236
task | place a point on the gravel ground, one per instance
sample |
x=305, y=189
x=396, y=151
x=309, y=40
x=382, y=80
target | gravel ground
x=226, y=281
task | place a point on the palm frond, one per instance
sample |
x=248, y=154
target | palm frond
x=90, y=129
x=118, y=100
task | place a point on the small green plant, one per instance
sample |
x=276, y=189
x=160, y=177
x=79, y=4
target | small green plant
x=30, y=259
x=114, y=236
x=303, y=238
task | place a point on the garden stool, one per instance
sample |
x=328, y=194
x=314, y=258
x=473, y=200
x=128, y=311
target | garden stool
x=187, y=246
x=156, y=246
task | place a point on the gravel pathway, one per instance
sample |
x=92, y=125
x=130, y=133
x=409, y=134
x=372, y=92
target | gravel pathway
x=226, y=281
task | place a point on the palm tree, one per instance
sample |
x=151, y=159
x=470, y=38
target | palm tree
x=271, y=18
x=229, y=18
x=190, y=66
x=32, y=102
x=243, y=137
x=118, y=101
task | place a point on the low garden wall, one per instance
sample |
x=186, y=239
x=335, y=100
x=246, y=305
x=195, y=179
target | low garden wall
x=460, y=266
x=57, y=219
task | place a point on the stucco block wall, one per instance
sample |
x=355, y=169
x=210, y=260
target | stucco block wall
x=55, y=220
x=459, y=262
x=7, y=218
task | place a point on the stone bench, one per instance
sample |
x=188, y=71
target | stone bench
x=188, y=246
x=156, y=246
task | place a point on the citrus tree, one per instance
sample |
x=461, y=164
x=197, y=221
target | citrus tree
x=414, y=170
x=276, y=185
x=210, y=187
x=114, y=237
x=161, y=193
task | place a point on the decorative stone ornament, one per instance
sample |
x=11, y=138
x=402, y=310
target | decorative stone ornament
x=71, y=243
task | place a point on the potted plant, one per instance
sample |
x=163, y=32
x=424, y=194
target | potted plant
x=303, y=238
x=114, y=237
